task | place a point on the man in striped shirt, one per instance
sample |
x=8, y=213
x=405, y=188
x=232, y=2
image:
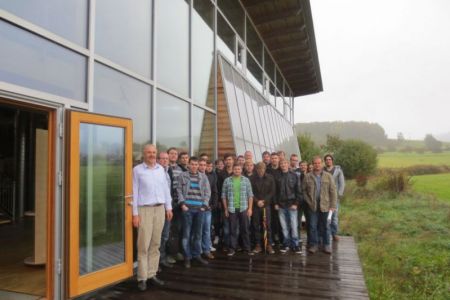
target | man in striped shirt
x=193, y=196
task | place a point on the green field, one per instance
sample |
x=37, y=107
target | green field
x=436, y=184
x=403, y=242
x=401, y=159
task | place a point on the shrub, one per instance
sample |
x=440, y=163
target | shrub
x=393, y=182
x=307, y=147
x=356, y=158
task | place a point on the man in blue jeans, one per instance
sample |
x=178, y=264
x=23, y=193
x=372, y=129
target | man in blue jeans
x=319, y=191
x=206, y=167
x=193, y=196
x=339, y=180
x=286, y=204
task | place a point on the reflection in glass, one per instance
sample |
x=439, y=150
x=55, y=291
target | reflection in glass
x=102, y=194
x=234, y=13
x=203, y=53
x=241, y=106
x=203, y=132
x=33, y=62
x=172, y=45
x=119, y=95
x=172, y=122
x=68, y=18
x=126, y=43
x=225, y=39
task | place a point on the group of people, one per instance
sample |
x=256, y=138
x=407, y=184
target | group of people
x=186, y=207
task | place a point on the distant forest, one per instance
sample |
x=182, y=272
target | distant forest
x=371, y=133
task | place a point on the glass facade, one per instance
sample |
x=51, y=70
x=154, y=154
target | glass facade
x=244, y=102
x=154, y=62
x=117, y=40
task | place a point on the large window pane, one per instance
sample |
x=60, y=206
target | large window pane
x=203, y=53
x=225, y=39
x=33, y=62
x=67, y=18
x=234, y=12
x=231, y=100
x=254, y=43
x=241, y=106
x=102, y=193
x=269, y=65
x=120, y=95
x=123, y=33
x=257, y=116
x=250, y=115
x=203, y=132
x=172, y=122
x=254, y=73
x=173, y=45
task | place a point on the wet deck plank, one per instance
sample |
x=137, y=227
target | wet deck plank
x=289, y=276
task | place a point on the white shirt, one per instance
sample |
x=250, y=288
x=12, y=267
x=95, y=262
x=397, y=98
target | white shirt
x=150, y=187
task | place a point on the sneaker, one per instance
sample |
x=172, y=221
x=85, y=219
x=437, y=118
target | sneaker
x=327, y=249
x=335, y=238
x=166, y=264
x=312, y=249
x=250, y=253
x=231, y=252
x=179, y=257
x=201, y=260
x=142, y=285
x=239, y=249
x=208, y=255
x=269, y=249
x=284, y=249
x=187, y=263
x=257, y=249
x=297, y=250
x=212, y=249
x=156, y=281
x=170, y=260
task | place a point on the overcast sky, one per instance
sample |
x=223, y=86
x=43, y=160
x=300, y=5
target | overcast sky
x=384, y=61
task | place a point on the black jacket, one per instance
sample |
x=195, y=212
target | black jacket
x=274, y=172
x=288, y=190
x=212, y=178
x=221, y=178
x=263, y=188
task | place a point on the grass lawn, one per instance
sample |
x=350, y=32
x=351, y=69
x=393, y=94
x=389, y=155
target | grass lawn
x=436, y=184
x=401, y=159
x=403, y=242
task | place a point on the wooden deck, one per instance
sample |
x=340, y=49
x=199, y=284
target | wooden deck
x=289, y=276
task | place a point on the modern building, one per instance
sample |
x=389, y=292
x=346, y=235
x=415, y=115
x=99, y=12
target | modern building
x=84, y=84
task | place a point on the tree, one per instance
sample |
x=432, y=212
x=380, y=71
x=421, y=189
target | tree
x=334, y=142
x=357, y=158
x=432, y=144
x=307, y=147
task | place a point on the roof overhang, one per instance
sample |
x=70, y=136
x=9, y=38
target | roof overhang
x=286, y=27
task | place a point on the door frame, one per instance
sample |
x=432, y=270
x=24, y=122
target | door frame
x=78, y=285
x=51, y=179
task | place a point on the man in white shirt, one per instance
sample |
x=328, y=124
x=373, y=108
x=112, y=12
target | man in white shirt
x=152, y=203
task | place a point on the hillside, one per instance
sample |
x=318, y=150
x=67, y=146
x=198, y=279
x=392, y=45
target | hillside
x=371, y=133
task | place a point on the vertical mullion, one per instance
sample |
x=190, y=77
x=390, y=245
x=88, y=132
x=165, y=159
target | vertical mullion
x=191, y=106
x=91, y=62
x=216, y=135
x=154, y=76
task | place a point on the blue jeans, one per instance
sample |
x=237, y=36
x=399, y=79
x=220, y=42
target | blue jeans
x=319, y=228
x=206, y=232
x=334, y=227
x=289, y=226
x=164, y=238
x=192, y=233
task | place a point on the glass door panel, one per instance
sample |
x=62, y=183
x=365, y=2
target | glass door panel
x=100, y=245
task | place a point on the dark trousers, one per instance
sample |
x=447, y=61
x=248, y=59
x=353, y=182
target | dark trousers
x=275, y=226
x=192, y=233
x=239, y=224
x=258, y=225
x=319, y=228
x=164, y=239
x=303, y=209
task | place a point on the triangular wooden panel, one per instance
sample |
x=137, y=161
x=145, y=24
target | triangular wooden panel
x=224, y=135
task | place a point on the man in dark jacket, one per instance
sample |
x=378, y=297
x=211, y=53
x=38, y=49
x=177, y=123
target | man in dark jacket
x=263, y=186
x=286, y=203
x=206, y=168
x=274, y=169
